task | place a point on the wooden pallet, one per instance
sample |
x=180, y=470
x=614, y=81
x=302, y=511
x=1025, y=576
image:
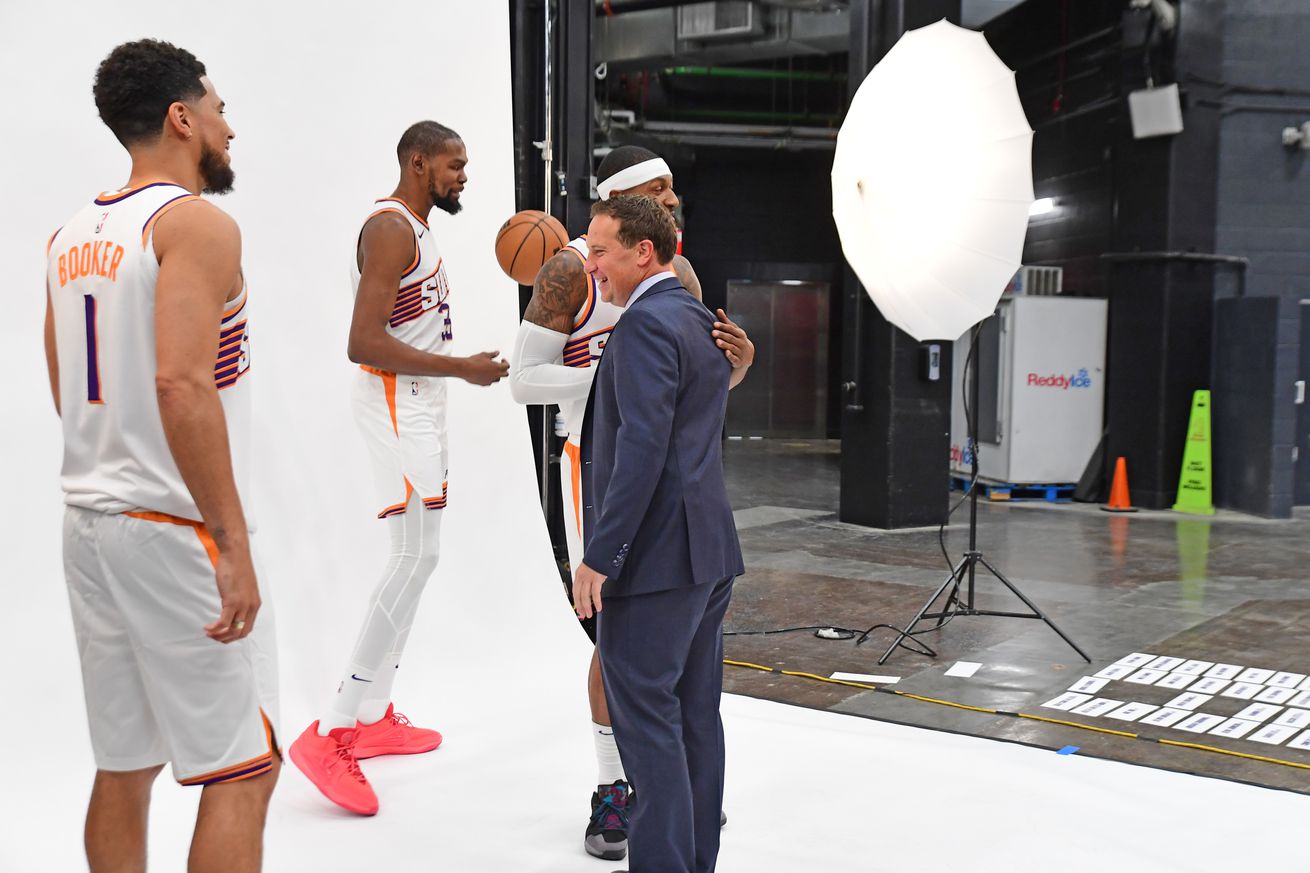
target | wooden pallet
x=999, y=491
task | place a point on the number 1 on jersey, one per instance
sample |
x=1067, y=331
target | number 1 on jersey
x=92, y=352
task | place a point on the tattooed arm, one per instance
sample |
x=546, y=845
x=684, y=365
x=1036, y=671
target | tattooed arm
x=539, y=374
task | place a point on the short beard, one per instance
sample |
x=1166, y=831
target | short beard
x=215, y=172
x=446, y=204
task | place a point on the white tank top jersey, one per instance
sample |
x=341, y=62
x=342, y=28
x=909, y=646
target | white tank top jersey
x=420, y=316
x=586, y=343
x=101, y=272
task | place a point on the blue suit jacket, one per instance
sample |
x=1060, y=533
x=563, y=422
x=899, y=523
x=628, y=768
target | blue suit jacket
x=657, y=512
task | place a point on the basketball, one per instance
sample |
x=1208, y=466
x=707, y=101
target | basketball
x=529, y=239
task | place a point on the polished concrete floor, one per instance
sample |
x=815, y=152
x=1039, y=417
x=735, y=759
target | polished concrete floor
x=1231, y=589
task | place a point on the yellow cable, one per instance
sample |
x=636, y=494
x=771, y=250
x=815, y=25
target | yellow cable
x=1073, y=724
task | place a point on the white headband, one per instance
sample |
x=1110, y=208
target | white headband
x=633, y=176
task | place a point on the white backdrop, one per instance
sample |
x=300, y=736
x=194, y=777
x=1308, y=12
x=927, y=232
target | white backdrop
x=318, y=97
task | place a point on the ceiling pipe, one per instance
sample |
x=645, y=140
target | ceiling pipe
x=618, y=7
x=752, y=73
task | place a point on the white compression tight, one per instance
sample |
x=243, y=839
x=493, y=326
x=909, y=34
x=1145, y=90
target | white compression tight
x=365, y=689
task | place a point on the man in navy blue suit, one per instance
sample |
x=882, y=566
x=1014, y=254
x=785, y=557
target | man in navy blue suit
x=661, y=541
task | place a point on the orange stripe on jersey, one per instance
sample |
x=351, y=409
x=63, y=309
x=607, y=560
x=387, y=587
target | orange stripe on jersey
x=107, y=197
x=574, y=345
x=571, y=250
x=417, y=257
x=413, y=264
x=206, y=540
x=160, y=213
x=404, y=204
x=591, y=305
x=417, y=282
x=238, y=303
x=50, y=243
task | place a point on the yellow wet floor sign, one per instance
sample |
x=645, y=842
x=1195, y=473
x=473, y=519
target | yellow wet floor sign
x=1194, y=485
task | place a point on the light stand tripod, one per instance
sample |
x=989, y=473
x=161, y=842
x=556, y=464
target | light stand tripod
x=967, y=568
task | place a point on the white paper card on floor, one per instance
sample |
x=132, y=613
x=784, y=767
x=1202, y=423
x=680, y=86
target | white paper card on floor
x=1089, y=685
x=867, y=678
x=1099, y=706
x=1136, y=659
x=1272, y=734
x=1286, y=680
x=1114, y=671
x=1177, y=681
x=1242, y=691
x=1199, y=723
x=1304, y=686
x=1194, y=668
x=1295, y=718
x=1301, y=699
x=1146, y=676
x=1276, y=695
x=1166, y=663
x=1235, y=728
x=1166, y=717
x=1256, y=675
x=1189, y=700
x=1223, y=671
x=1259, y=712
x=1209, y=685
x=963, y=669
x=1067, y=701
x=1132, y=711
x=1302, y=741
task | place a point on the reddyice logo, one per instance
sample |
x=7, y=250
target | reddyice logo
x=1081, y=379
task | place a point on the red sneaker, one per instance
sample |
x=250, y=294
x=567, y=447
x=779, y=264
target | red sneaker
x=393, y=735
x=329, y=762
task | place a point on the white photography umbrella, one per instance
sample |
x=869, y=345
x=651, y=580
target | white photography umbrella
x=932, y=181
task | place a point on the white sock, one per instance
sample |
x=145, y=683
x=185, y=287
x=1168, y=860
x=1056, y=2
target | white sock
x=609, y=765
x=350, y=693
x=374, y=706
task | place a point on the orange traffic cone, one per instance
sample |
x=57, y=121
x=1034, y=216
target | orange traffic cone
x=1119, y=500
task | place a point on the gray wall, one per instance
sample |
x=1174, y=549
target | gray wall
x=1264, y=190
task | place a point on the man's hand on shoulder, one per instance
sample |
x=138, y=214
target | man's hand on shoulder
x=558, y=292
x=586, y=591
x=737, y=347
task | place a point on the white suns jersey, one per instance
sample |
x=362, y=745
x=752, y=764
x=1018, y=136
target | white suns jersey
x=420, y=316
x=101, y=273
x=586, y=343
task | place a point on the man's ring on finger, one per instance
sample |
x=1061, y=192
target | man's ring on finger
x=239, y=624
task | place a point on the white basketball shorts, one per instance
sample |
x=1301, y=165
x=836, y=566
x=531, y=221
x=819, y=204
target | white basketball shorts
x=403, y=422
x=570, y=481
x=141, y=586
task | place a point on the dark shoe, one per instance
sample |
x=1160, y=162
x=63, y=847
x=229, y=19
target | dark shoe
x=723, y=819
x=607, y=832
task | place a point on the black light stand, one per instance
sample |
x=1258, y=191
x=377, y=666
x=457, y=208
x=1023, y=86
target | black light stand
x=967, y=568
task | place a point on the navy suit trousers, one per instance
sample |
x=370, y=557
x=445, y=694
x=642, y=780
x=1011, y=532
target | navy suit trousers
x=661, y=658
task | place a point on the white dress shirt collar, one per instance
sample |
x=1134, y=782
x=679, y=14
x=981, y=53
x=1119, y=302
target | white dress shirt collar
x=648, y=283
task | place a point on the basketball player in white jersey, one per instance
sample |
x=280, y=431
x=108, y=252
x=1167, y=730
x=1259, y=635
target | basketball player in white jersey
x=401, y=336
x=148, y=349
x=561, y=338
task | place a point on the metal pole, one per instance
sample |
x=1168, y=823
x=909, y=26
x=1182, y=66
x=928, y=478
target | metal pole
x=547, y=159
x=547, y=142
x=972, y=424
